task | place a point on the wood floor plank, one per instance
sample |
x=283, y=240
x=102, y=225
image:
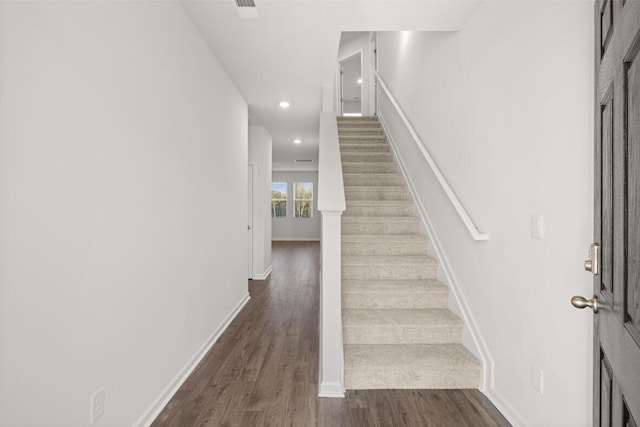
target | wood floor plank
x=263, y=371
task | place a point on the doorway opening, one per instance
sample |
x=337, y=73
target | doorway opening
x=351, y=86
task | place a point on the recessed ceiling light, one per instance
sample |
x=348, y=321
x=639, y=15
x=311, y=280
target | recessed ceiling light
x=359, y=81
x=285, y=104
x=297, y=141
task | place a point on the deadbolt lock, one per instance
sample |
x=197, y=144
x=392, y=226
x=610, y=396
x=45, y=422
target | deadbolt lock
x=592, y=264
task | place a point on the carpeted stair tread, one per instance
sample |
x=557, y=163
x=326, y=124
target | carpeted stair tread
x=369, y=260
x=394, y=294
x=360, y=130
x=380, y=203
x=369, y=167
x=386, y=267
x=380, y=219
x=410, y=366
x=383, y=238
x=398, y=356
x=399, y=317
x=379, y=208
x=400, y=326
x=367, y=157
x=379, y=192
x=362, y=139
x=373, y=179
x=393, y=286
x=357, y=118
x=375, y=187
x=384, y=244
x=357, y=148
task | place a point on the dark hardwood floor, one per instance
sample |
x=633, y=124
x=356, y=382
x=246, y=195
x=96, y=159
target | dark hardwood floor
x=263, y=371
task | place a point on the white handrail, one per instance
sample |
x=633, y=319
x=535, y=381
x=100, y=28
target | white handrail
x=464, y=216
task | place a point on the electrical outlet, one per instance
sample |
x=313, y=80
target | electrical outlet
x=537, y=377
x=97, y=405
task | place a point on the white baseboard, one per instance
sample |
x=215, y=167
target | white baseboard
x=331, y=389
x=505, y=408
x=295, y=239
x=149, y=415
x=262, y=276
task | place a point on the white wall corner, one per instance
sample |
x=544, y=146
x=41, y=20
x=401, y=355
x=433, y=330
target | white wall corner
x=476, y=344
x=150, y=414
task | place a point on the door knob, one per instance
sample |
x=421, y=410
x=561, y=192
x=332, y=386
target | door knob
x=581, y=302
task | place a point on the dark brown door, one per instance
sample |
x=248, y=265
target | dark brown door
x=617, y=214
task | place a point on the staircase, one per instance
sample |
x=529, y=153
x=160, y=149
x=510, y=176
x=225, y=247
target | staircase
x=398, y=332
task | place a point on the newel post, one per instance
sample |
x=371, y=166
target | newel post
x=331, y=351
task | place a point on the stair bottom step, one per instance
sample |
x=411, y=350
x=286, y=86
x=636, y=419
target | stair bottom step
x=440, y=366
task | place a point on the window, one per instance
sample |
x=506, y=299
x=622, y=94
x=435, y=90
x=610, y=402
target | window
x=303, y=199
x=278, y=199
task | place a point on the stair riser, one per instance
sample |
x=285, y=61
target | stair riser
x=359, y=131
x=384, y=248
x=367, y=157
x=359, y=139
x=372, y=193
x=373, y=180
x=380, y=228
x=384, y=272
x=393, y=301
x=436, y=378
x=357, y=119
x=427, y=334
x=378, y=211
x=359, y=125
x=369, y=168
x=364, y=148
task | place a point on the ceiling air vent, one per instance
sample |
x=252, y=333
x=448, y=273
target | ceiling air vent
x=304, y=161
x=245, y=8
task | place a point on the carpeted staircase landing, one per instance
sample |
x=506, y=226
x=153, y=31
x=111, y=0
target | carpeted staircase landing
x=398, y=332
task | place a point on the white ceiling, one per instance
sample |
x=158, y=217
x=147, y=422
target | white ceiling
x=290, y=51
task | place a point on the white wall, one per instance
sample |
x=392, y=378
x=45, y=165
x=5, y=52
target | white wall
x=291, y=228
x=260, y=146
x=505, y=107
x=119, y=130
x=361, y=44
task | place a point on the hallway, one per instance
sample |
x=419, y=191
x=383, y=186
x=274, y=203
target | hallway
x=264, y=368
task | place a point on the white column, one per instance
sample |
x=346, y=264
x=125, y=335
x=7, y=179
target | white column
x=331, y=351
